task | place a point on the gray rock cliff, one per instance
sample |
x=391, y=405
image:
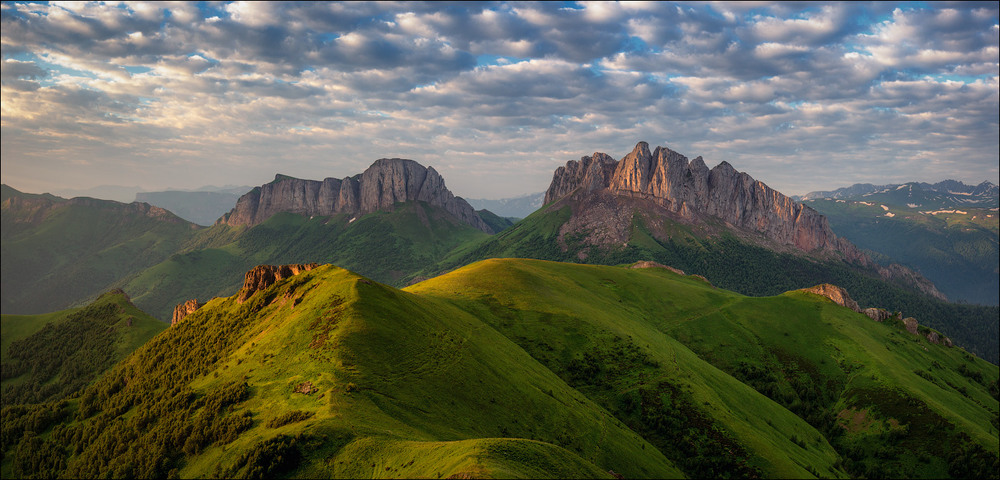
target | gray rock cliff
x=386, y=182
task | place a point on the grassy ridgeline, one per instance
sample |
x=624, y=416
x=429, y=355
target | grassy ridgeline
x=521, y=368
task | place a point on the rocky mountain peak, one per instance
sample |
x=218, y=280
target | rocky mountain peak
x=689, y=191
x=380, y=187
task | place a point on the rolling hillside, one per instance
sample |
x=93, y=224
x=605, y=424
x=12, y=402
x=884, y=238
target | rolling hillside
x=386, y=246
x=59, y=253
x=521, y=368
x=52, y=356
x=730, y=259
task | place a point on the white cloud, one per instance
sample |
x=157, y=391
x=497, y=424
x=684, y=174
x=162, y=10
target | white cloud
x=796, y=94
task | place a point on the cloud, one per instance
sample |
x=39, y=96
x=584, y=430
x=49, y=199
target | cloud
x=495, y=94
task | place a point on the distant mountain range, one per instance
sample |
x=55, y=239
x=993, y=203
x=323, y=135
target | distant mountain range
x=948, y=231
x=514, y=207
x=200, y=207
x=948, y=193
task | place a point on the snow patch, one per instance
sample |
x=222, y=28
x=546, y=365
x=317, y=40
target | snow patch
x=890, y=214
x=884, y=207
x=912, y=205
x=901, y=187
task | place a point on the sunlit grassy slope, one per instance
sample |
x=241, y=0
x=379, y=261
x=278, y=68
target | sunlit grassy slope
x=52, y=356
x=814, y=358
x=519, y=368
x=729, y=262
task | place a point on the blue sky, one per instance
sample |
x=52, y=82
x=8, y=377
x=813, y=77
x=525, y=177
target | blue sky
x=803, y=96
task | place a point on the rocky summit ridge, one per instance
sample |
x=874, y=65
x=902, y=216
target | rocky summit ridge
x=691, y=192
x=379, y=188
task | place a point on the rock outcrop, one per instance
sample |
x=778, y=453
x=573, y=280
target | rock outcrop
x=691, y=191
x=263, y=276
x=835, y=293
x=651, y=264
x=183, y=310
x=386, y=182
x=911, y=325
x=877, y=314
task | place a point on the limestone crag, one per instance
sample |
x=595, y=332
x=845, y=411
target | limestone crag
x=837, y=294
x=689, y=190
x=183, y=310
x=263, y=276
x=386, y=182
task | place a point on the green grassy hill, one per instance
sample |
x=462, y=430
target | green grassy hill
x=729, y=262
x=385, y=246
x=958, y=248
x=891, y=404
x=52, y=356
x=59, y=253
x=520, y=368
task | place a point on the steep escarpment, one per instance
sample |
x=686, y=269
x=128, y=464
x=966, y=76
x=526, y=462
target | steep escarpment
x=690, y=192
x=386, y=182
x=690, y=189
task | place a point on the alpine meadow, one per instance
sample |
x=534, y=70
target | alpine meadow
x=431, y=240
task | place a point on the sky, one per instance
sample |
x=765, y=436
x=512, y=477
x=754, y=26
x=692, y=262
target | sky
x=495, y=96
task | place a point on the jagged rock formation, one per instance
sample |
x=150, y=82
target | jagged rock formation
x=691, y=192
x=263, y=276
x=183, y=310
x=837, y=294
x=690, y=188
x=380, y=187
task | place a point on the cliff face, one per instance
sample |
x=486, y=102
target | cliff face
x=689, y=188
x=691, y=191
x=263, y=276
x=384, y=183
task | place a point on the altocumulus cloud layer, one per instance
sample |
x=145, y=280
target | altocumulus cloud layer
x=495, y=95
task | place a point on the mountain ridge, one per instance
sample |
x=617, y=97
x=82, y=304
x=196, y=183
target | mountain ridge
x=383, y=184
x=692, y=192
